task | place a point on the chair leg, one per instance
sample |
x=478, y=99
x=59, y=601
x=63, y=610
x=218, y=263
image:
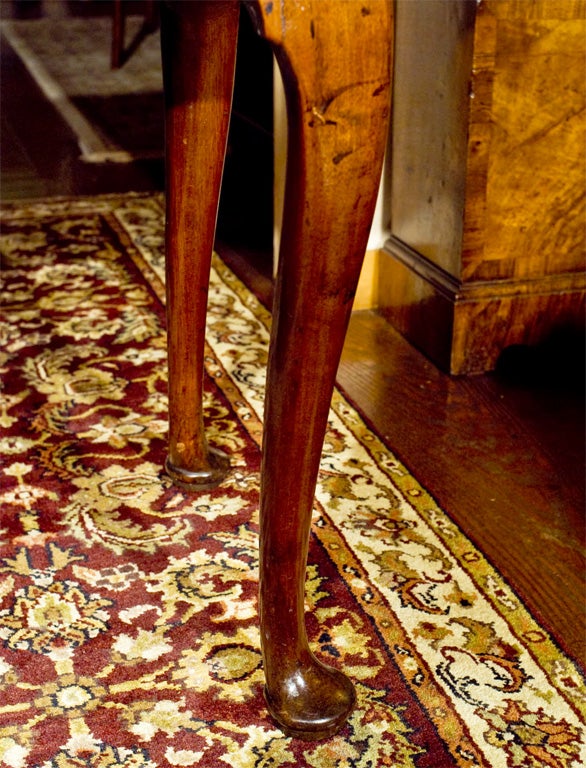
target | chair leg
x=199, y=52
x=150, y=14
x=335, y=58
x=117, y=35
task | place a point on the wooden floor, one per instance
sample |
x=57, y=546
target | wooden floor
x=503, y=453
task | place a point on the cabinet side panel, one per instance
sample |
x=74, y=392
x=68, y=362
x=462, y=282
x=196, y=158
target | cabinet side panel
x=534, y=220
x=433, y=59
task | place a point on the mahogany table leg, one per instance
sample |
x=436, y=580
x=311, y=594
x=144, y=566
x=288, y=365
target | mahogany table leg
x=335, y=58
x=199, y=51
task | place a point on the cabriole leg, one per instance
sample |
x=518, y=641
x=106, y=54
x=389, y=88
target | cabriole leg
x=199, y=51
x=335, y=59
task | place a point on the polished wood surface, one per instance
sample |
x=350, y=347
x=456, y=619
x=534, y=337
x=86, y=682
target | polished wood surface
x=527, y=154
x=199, y=55
x=488, y=243
x=335, y=62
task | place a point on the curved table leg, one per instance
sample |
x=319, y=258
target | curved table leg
x=199, y=52
x=335, y=58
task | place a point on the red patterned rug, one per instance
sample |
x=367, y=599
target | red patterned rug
x=128, y=630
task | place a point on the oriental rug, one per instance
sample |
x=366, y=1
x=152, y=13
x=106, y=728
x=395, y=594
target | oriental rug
x=128, y=623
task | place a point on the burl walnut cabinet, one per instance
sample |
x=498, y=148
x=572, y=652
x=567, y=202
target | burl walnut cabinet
x=487, y=177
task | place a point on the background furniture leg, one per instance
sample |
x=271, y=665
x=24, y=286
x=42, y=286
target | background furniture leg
x=335, y=59
x=117, y=35
x=199, y=52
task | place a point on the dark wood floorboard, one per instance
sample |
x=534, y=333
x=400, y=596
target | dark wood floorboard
x=502, y=453
x=475, y=448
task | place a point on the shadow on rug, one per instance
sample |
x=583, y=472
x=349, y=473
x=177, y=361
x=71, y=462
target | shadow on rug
x=128, y=626
x=117, y=115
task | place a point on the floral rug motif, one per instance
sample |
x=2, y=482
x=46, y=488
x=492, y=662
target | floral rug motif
x=128, y=626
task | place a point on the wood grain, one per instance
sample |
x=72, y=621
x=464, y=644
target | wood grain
x=335, y=62
x=198, y=96
x=533, y=102
x=517, y=274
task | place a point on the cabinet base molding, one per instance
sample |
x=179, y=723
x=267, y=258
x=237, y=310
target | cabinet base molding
x=464, y=327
